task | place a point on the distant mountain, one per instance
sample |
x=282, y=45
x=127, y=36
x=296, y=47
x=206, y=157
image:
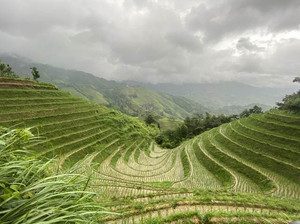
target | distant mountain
x=130, y=99
x=237, y=109
x=224, y=94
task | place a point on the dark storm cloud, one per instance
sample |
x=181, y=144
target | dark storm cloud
x=159, y=41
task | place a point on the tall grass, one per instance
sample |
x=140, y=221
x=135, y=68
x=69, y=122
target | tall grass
x=30, y=192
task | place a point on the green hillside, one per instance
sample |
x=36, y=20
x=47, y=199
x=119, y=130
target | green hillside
x=242, y=172
x=130, y=99
x=258, y=154
x=69, y=127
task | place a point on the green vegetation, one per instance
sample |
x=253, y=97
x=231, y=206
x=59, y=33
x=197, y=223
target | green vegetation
x=150, y=120
x=241, y=208
x=169, y=123
x=263, y=182
x=291, y=102
x=185, y=163
x=198, y=124
x=130, y=99
x=35, y=73
x=31, y=193
x=218, y=171
x=161, y=184
x=6, y=71
x=255, y=110
x=85, y=126
x=236, y=170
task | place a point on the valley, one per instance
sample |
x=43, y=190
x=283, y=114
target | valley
x=246, y=169
x=149, y=112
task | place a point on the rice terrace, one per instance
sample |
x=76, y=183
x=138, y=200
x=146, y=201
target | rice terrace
x=149, y=112
x=243, y=171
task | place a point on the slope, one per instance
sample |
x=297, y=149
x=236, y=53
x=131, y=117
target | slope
x=68, y=127
x=129, y=99
x=244, y=171
x=203, y=178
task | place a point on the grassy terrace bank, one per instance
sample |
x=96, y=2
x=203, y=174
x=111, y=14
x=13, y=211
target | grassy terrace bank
x=247, y=170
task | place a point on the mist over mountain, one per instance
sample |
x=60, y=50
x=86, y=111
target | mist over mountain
x=136, y=98
x=222, y=94
x=149, y=111
x=130, y=99
x=254, y=42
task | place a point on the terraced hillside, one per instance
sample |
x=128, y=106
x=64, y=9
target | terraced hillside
x=67, y=127
x=244, y=171
x=258, y=155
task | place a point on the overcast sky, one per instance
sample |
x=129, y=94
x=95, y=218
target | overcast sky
x=251, y=41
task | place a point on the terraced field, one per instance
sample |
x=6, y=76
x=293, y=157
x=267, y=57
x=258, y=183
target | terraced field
x=244, y=171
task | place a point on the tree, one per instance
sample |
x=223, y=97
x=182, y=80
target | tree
x=291, y=102
x=151, y=120
x=255, y=110
x=192, y=126
x=6, y=71
x=35, y=73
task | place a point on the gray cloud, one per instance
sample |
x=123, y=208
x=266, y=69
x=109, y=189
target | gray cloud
x=219, y=18
x=246, y=46
x=185, y=40
x=251, y=41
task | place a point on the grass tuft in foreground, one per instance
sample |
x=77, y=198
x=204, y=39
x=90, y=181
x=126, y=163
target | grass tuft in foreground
x=30, y=192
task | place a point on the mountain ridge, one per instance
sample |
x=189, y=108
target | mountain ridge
x=167, y=99
x=131, y=100
x=218, y=95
